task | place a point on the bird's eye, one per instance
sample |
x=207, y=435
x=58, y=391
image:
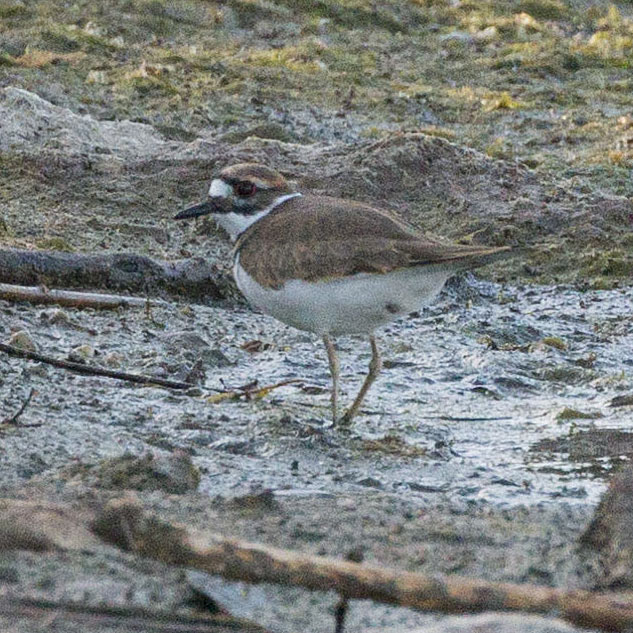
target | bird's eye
x=244, y=189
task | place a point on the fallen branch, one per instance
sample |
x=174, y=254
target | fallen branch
x=91, y=370
x=195, y=278
x=123, y=523
x=69, y=298
x=38, y=526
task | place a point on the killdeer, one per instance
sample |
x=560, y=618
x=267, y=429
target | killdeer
x=328, y=265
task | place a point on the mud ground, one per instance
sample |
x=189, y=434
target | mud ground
x=461, y=462
x=490, y=436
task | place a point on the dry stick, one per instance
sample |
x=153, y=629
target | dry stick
x=14, y=418
x=340, y=611
x=95, y=618
x=237, y=560
x=40, y=294
x=248, y=391
x=91, y=370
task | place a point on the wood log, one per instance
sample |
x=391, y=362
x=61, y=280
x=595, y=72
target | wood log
x=123, y=523
x=194, y=278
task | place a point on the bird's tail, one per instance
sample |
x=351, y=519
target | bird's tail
x=475, y=256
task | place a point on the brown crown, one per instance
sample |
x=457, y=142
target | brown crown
x=256, y=173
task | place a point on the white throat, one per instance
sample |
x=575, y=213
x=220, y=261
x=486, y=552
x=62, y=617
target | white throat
x=236, y=223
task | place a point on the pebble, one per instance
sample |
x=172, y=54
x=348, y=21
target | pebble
x=81, y=353
x=22, y=340
x=113, y=359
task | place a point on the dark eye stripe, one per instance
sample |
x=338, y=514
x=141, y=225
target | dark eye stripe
x=244, y=188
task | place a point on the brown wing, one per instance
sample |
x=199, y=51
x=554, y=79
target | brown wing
x=305, y=240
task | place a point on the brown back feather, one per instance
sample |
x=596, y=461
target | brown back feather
x=303, y=239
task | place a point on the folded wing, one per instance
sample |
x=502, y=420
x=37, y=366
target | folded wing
x=305, y=240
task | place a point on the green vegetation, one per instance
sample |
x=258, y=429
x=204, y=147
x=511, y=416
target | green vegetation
x=574, y=414
x=480, y=67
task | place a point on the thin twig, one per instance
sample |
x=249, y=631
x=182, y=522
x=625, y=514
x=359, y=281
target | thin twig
x=94, y=617
x=249, y=391
x=340, y=611
x=14, y=418
x=91, y=370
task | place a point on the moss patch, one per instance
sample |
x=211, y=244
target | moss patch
x=574, y=414
x=393, y=445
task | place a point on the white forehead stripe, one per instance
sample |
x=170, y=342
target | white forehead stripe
x=219, y=189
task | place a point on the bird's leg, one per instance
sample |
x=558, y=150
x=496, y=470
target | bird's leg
x=375, y=365
x=334, y=371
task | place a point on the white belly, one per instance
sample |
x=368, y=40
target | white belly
x=350, y=305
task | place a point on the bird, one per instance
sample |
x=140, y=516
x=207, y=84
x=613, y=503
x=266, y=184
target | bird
x=328, y=265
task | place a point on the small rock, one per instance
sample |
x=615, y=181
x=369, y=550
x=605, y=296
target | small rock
x=370, y=482
x=113, y=359
x=193, y=346
x=263, y=500
x=9, y=575
x=488, y=34
x=81, y=353
x=348, y=504
x=22, y=340
x=55, y=317
x=37, y=369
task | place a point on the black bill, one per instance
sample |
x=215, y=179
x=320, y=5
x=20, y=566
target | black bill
x=197, y=210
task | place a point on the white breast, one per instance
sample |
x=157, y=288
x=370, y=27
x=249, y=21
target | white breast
x=347, y=305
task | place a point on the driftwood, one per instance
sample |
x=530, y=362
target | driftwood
x=194, y=278
x=123, y=523
x=42, y=526
x=92, y=370
x=69, y=298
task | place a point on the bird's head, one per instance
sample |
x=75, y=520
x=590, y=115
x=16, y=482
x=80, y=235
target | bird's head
x=240, y=195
